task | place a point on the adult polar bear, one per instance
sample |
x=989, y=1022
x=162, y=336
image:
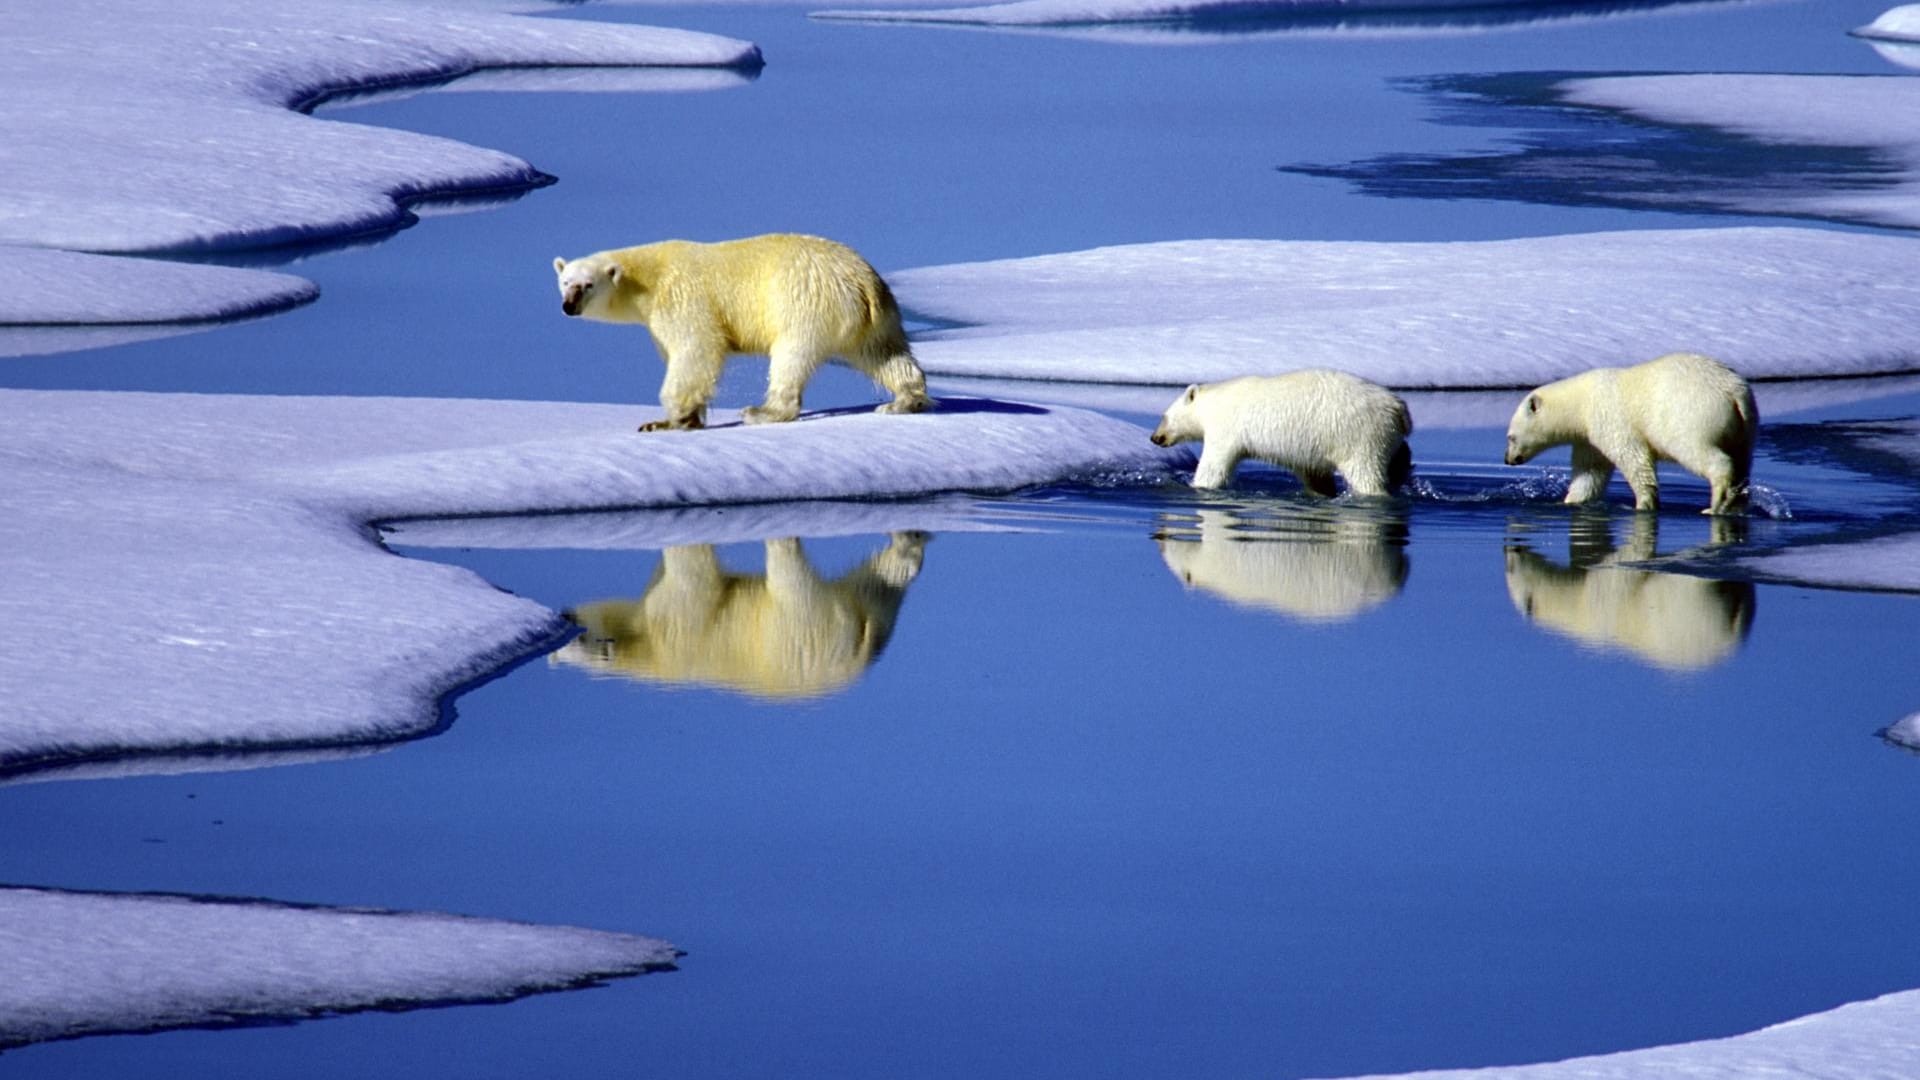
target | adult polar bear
x=1681, y=407
x=798, y=299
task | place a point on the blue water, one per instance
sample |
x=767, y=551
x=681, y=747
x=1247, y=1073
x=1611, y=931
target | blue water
x=1078, y=816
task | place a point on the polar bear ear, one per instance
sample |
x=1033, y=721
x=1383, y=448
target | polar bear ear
x=1193, y=391
x=559, y=264
x=613, y=273
x=1533, y=403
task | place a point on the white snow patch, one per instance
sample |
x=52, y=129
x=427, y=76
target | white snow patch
x=1865, y=1040
x=1433, y=410
x=1873, y=113
x=95, y=963
x=141, y=522
x=1895, y=24
x=44, y=287
x=169, y=127
x=1905, y=733
x=1315, y=17
x=1770, y=302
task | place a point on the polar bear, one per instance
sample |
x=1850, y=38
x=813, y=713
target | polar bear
x=1681, y=407
x=785, y=634
x=1672, y=621
x=798, y=299
x=1312, y=422
x=1325, y=567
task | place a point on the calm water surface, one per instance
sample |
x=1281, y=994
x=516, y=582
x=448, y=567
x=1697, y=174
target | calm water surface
x=1145, y=785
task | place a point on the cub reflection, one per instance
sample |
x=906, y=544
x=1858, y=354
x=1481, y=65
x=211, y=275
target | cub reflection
x=1672, y=621
x=787, y=633
x=1320, y=564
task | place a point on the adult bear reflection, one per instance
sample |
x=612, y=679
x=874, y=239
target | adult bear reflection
x=1322, y=564
x=787, y=633
x=1671, y=621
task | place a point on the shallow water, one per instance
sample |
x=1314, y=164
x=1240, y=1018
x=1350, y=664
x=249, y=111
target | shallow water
x=1142, y=783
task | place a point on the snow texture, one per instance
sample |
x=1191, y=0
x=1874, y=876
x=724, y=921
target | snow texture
x=1264, y=17
x=83, y=963
x=1770, y=302
x=1886, y=564
x=1433, y=410
x=176, y=564
x=45, y=288
x=172, y=127
x=1905, y=734
x=1873, y=113
x=1865, y=1040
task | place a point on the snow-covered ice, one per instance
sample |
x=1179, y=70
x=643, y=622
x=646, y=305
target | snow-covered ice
x=1884, y=564
x=1866, y=1040
x=142, y=127
x=42, y=287
x=176, y=563
x=1186, y=21
x=1770, y=302
x=1905, y=733
x=81, y=963
x=1872, y=113
x=1895, y=35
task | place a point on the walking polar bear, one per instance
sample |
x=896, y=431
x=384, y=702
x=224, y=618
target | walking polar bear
x=1312, y=422
x=1681, y=407
x=798, y=299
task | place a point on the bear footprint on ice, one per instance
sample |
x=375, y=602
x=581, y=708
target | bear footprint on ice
x=798, y=299
x=1681, y=407
x=1313, y=423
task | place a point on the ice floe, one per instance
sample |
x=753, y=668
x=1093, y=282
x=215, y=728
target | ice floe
x=41, y=287
x=82, y=963
x=1155, y=22
x=141, y=127
x=1905, y=733
x=1771, y=302
x=1866, y=1040
x=1874, y=114
x=175, y=563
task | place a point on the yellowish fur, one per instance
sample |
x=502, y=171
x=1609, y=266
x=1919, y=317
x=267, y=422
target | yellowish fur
x=1681, y=407
x=786, y=633
x=800, y=300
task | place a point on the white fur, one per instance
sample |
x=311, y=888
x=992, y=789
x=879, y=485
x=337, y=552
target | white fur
x=798, y=299
x=1324, y=571
x=1313, y=423
x=787, y=633
x=1682, y=408
x=1673, y=621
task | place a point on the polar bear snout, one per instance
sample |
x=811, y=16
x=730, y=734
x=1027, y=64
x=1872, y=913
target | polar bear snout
x=573, y=299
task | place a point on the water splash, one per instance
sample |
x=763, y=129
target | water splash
x=1543, y=485
x=1771, y=502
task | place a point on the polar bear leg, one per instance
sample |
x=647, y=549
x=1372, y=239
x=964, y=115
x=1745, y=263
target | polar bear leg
x=1638, y=468
x=791, y=579
x=1217, y=462
x=1318, y=481
x=899, y=562
x=793, y=363
x=1591, y=471
x=693, y=370
x=1366, y=475
x=1729, y=486
x=889, y=362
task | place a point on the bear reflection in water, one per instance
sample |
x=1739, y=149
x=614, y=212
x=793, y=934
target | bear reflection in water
x=1320, y=564
x=1671, y=621
x=787, y=633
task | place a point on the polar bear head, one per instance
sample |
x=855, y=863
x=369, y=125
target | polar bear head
x=587, y=284
x=1181, y=422
x=1536, y=426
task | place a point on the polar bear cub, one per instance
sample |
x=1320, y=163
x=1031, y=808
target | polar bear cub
x=1313, y=423
x=798, y=299
x=1681, y=407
